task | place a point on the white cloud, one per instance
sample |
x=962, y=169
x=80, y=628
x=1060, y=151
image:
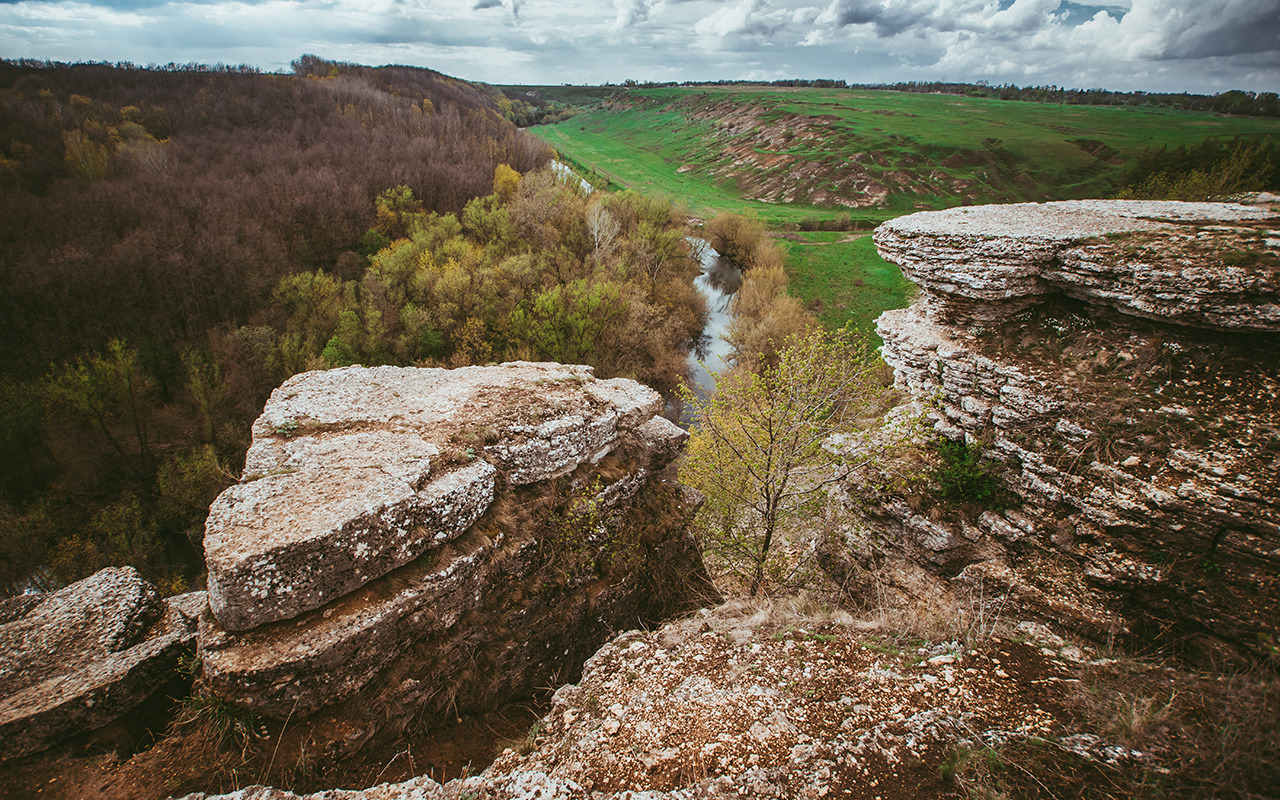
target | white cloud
x=1196, y=45
x=746, y=17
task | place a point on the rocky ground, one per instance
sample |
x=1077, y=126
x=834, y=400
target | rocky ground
x=766, y=698
x=761, y=699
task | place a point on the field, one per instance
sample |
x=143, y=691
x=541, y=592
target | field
x=797, y=158
x=843, y=279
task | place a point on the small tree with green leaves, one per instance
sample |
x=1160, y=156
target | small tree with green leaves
x=768, y=443
x=113, y=393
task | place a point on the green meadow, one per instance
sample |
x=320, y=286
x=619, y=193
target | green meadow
x=929, y=151
x=843, y=279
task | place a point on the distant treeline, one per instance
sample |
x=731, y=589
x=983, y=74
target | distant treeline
x=814, y=83
x=1256, y=104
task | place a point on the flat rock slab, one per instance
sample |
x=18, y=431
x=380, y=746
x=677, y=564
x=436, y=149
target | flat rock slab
x=1211, y=265
x=357, y=471
x=80, y=657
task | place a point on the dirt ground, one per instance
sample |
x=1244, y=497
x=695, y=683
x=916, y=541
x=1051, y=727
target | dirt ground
x=148, y=756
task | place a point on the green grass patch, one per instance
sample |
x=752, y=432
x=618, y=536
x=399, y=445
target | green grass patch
x=843, y=279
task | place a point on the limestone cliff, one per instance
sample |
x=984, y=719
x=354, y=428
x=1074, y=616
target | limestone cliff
x=1120, y=359
x=429, y=541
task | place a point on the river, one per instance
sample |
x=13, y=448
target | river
x=718, y=282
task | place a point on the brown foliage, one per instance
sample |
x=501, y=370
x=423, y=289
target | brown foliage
x=764, y=317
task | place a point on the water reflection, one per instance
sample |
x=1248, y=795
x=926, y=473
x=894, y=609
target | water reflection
x=718, y=282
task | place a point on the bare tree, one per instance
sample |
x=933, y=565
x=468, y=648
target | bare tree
x=604, y=229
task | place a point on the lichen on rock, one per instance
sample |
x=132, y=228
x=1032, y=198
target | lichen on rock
x=440, y=539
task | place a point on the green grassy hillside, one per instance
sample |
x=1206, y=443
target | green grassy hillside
x=792, y=154
x=796, y=157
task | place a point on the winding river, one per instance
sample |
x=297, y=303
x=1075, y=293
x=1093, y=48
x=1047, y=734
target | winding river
x=718, y=282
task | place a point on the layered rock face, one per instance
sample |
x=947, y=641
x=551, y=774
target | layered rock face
x=1197, y=264
x=1120, y=359
x=440, y=539
x=76, y=659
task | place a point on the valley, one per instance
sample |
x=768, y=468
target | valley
x=808, y=160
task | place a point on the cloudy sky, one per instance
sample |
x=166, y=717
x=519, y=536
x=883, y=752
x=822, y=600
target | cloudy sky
x=1194, y=45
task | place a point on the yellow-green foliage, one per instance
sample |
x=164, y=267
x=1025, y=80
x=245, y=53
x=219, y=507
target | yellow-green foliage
x=760, y=451
x=535, y=270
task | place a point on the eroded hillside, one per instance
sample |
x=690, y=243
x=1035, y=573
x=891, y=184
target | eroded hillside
x=789, y=154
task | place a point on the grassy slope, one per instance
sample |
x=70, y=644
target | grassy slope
x=843, y=278
x=1009, y=151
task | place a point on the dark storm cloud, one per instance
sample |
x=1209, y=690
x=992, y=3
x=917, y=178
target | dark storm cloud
x=1253, y=27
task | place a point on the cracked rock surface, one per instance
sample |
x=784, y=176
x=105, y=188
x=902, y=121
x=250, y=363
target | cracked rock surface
x=75, y=659
x=1140, y=438
x=354, y=472
x=421, y=541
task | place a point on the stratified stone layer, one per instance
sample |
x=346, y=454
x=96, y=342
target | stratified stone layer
x=440, y=539
x=354, y=472
x=1210, y=265
x=76, y=659
x=1140, y=447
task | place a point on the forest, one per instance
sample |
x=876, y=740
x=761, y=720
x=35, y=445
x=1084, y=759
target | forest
x=175, y=242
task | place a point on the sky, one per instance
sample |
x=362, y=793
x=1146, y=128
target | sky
x=1200, y=46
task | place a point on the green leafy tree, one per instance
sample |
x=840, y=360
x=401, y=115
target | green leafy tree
x=83, y=156
x=187, y=484
x=489, y=222
x=113, y=393
x=768, y=443
x=565, y=323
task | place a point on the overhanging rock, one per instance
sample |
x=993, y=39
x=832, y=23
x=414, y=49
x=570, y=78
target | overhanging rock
x=402, y=528
x=1206, y=265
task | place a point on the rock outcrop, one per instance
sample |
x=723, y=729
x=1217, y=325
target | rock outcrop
x=1120, y=360
x=439, y=540
x=76, y=659
x=1210, y=265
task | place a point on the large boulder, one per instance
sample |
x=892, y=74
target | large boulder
x=440, y=539
x=354, y=472
x=78, y=658
x=1141, y=447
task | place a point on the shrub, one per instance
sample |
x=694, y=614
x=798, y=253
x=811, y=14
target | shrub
x=962, y=475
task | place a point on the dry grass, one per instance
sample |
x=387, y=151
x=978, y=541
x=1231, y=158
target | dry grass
x=1218, y=734
x=1198, y=736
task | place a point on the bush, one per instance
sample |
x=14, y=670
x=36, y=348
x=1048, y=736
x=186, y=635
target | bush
x=962, y=475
